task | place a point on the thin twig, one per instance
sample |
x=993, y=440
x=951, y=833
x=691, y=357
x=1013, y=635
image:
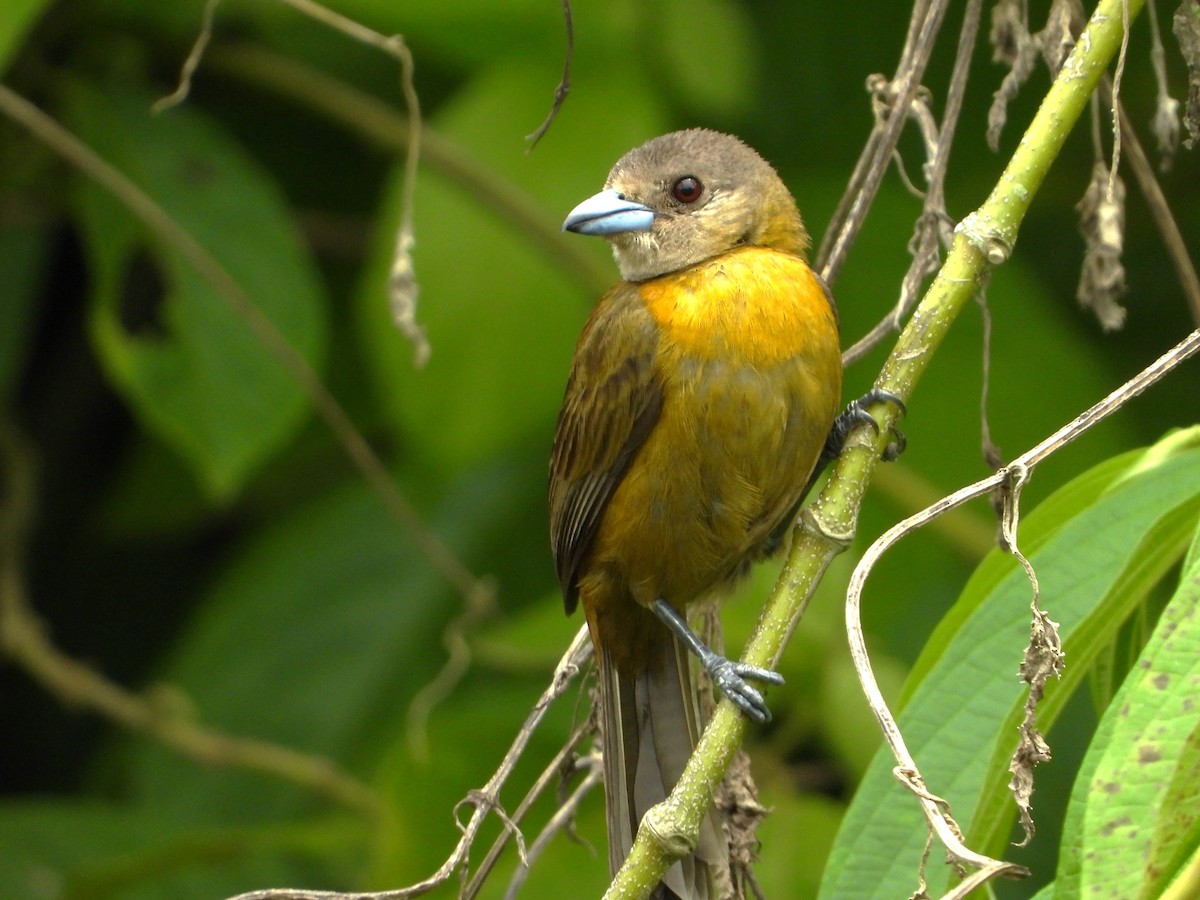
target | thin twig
x=564, y=84
x=889, y=122
x=933, y=226
x=402, y=284
x=559, y=822
x=485, y=800
x=552, y=769
x=1116, y=102
x=192, y=62
x=989, y=450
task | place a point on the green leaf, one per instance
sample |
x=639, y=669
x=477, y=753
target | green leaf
x=55, y=849
x=190, y=367
x=16, y=18
x=318, y=627
x=952, y=722
x=1134, y=811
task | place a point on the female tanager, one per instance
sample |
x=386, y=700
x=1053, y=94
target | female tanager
x=700, y=397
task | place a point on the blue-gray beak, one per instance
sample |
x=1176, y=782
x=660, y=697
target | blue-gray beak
x=608, y=213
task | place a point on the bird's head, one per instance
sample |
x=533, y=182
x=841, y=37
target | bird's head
x=685, y=197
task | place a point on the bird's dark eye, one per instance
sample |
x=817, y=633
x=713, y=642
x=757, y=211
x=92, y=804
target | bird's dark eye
x=687, y=189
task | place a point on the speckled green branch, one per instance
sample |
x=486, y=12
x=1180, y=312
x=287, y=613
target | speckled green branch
x=984, y=239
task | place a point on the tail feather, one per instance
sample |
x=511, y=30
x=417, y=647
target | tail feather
x=650, y=727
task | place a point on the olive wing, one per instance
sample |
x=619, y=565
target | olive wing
x=613, y=400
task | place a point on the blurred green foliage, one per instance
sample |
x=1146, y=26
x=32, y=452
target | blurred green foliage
x=200, y=536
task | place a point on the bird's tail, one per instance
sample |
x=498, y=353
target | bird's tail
x=650, y=724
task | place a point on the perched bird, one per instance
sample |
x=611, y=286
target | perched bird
x=703, y=390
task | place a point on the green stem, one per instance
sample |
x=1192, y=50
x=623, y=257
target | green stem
x=984, y=239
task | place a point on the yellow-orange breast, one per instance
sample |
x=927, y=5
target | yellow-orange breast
x=749, y=363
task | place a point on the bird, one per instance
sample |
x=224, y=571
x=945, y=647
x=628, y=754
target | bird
x=702, y=397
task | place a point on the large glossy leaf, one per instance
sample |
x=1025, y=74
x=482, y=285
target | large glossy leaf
x=1134, y=811
x=954, y=720
x=189, y=366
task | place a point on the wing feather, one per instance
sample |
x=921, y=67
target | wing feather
x=612, y=402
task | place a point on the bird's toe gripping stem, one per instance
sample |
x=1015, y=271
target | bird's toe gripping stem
x=857, y=413
x=729, y=676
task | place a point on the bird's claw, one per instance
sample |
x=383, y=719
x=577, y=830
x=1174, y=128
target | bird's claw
x=856, y=413
x=730, y=678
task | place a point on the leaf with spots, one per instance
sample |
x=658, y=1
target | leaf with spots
x=1135, y=809
x=1100, y=546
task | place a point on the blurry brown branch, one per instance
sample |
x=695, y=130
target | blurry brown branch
x=23, y=640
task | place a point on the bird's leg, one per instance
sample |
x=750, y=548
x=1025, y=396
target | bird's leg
x=726, y=674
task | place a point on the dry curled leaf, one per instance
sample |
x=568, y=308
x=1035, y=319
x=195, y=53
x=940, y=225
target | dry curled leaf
x=741, y=813
x=1102, y=223
x=1008, y=32
x=1165, y=126
x=1043, y=660
x=1012, y=44
x=1187, y=31
x=1057, y=39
